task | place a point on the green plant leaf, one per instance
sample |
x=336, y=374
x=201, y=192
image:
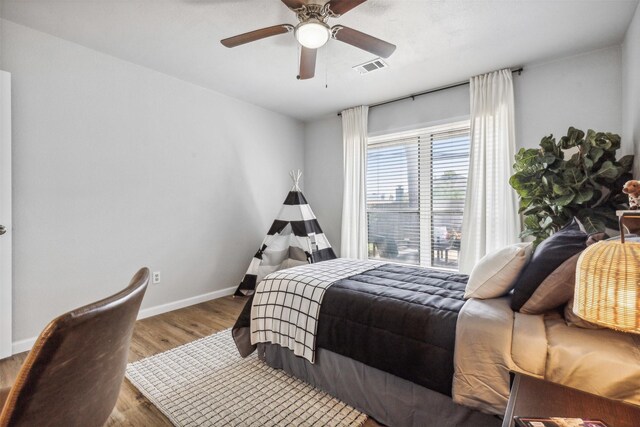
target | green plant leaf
x=565, y=199
x=551, y=178
x=527, y=233
x=571, y=140
x=532, y=222
x=546, y=223
x=561, y=189
x=546, y=158
x=626, y=162
x=548, y=144
x=575, y=160
x=573, y=177
x=599, y=140
x=588, y=163
x=566, y=215
x=530, y=210
x=608, y=141
x=520, y=182
x=526, y=155
x=592, y=225
x=526, y=160
x=590, y=139
x=584, y=195
x=595, y=154
x=608, y=171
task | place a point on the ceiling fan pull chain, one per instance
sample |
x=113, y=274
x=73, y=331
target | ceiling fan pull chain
x=326, y=75
x=299, y=60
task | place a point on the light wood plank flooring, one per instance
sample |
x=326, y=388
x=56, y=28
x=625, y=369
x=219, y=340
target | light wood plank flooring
x=151, y=336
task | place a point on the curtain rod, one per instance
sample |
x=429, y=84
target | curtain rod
x=438, y=89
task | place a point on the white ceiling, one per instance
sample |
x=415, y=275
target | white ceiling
x=439, y=42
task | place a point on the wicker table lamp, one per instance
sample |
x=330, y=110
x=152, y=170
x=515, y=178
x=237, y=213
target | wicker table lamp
x=607, y=289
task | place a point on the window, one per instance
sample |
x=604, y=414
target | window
x=416, y=183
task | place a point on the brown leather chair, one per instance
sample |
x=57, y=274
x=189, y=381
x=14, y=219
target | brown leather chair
x=73, y=374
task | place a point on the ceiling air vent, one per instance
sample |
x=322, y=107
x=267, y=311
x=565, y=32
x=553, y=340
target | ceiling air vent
x=370, y=66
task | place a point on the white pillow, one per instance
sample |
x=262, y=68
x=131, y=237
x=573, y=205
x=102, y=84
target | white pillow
x=495, y=274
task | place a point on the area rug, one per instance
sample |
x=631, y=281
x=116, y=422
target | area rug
x=207, y=383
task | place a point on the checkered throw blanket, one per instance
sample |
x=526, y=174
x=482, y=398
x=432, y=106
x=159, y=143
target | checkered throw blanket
x=286, y=303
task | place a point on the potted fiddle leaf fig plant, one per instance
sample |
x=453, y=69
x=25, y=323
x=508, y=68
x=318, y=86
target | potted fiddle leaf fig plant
x=578, y=176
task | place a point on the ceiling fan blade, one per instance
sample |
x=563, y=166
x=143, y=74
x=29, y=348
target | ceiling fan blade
x=307, y=63
x=340, y=7
x=294, y=4
x=252, y=36
x=363, y=41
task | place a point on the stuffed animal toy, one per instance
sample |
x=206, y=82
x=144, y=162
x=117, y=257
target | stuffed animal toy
x=632, y=188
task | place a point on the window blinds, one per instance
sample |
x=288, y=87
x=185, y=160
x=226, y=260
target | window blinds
x=416, y=184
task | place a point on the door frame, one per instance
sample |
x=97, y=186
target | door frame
x=6, y=275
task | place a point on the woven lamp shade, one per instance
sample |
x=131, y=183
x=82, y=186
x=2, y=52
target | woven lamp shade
x=608, y=285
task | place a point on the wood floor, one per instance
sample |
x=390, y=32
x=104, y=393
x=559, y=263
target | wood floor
x=151, y=336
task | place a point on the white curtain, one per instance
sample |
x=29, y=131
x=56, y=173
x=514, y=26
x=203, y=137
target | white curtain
x=491, y=219
x=354, y=208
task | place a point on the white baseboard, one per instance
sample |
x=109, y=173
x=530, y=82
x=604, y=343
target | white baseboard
x=175, y=305
x=26, y=344
x=22, y=345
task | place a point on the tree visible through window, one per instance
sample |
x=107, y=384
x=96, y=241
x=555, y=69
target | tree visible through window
x=416, y=186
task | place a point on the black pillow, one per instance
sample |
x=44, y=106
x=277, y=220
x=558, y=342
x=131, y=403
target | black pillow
x=548, y=256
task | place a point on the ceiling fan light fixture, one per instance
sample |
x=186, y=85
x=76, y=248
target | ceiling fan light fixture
x=312, y=33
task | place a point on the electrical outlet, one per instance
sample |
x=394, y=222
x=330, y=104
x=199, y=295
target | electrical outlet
x=156, y=277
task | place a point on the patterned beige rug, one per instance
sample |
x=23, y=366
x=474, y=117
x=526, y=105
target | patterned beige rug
x=206, y=383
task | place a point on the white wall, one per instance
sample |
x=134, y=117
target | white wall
x=582, y=91
x=323, y=175
x=117, y=166
x=631, y=86
x=443, y=106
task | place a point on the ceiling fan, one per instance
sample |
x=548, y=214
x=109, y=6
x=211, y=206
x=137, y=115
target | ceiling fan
x=312, y=32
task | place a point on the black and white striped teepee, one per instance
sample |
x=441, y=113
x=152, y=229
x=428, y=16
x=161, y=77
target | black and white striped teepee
x=295, y=238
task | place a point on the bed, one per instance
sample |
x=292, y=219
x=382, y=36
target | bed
x=401, y=344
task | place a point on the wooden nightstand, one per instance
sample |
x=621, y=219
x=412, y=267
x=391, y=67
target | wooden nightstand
x=632, y=225
x=533, y=397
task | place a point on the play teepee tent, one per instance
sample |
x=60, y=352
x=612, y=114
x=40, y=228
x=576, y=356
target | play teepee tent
x=295, y=238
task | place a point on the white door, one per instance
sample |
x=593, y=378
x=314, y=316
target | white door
x=5, y=214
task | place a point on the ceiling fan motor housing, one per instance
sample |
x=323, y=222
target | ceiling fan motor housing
x=312, y=33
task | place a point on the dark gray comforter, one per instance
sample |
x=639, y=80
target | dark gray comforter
x=399, y=319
